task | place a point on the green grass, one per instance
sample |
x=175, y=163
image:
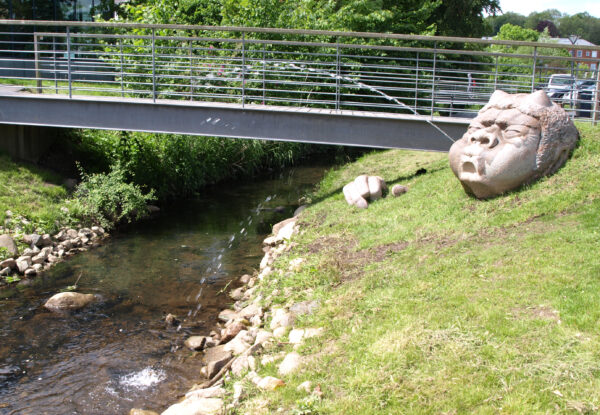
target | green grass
x=62, y=87
x=435, y=302
x=32, y=194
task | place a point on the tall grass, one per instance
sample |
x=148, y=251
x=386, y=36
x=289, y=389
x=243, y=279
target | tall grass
x=178, y=166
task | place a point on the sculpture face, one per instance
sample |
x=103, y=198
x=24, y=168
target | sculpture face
x=501, y=148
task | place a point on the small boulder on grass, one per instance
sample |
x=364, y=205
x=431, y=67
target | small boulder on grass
x=364, y=189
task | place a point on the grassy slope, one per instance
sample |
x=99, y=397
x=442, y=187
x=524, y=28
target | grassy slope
x=30, y=192
x=435, y=302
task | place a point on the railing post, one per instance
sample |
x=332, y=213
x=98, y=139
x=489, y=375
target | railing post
x=264, y=74
x=534, y=68
x=243, y=69
x=337, y=74
x=36, y=51
x=122, y=67
x=433, y=78
x=496, y=75
x=54, y=64
x=153, y=65
x=191, y=73
x=69, y=62
x=596, y=96
x=417, y=82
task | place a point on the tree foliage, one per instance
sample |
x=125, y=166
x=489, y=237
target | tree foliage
x=513, y=32
x=534, y=18
x=448, y=17
x=549, y=25
x=518, y=70
x=496, y=22
x=581, y=24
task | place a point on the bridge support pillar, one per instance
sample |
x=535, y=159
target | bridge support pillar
x=25, y=142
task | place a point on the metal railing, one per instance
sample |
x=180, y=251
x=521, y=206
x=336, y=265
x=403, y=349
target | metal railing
x=424, y=75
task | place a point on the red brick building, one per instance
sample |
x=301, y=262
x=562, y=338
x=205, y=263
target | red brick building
x=582, y=53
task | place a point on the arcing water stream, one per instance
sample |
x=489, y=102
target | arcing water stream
x=119, y=354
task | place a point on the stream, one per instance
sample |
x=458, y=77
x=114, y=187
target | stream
x=119, y=354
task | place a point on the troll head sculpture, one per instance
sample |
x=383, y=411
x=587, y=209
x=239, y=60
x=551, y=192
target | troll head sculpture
x=514, y=140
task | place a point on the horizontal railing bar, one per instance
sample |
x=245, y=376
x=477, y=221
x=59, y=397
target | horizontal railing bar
x=354, y=46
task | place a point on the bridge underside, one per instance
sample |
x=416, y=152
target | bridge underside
x=320, y=126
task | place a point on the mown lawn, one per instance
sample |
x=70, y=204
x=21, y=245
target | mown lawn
x=435, y=302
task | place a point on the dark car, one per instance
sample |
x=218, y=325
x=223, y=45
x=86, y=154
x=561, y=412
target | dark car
x=585, y=100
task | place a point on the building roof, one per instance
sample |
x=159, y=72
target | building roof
x=579, y=42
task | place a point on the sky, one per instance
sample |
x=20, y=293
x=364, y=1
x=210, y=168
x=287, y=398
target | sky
x=565, y=6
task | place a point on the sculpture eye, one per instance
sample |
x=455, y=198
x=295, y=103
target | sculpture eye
x=513, y=132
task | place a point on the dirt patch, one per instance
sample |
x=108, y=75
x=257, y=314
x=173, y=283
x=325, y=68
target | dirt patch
x=342, y=256
x=379, y=253
x=537, y=312
x=332, y=243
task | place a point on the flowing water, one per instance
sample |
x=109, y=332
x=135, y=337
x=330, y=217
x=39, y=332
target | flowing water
x=119, y=353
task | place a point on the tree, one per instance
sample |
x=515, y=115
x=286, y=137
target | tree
x=517, y=72
x=581, y=24
x=448, y=17
x=547, y=25
x=496, y=22
x=199, y=12
x=513, y=32
x=463, y=17
x=534, y=18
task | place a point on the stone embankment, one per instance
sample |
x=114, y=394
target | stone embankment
x=249, y=337
x=45, y=250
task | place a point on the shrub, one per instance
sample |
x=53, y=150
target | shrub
x=107, y=199
x=178, y=166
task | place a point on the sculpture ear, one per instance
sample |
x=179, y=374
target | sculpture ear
x=539, y=98
x=497, y=96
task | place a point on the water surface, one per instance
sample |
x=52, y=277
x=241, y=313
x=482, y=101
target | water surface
x=119, y=354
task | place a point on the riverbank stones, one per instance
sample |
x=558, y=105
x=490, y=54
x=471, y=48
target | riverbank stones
x=7, y=242
x=197, y=406
x=214, y=359
x=8, y=263
x=291, y=362
x=195, y=342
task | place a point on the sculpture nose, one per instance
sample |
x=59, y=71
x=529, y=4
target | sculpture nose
x=487, y=137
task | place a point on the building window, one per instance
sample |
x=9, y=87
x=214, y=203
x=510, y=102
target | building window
x=587, y=53
x=594, y=53
x=593, y=66
x=579, y=53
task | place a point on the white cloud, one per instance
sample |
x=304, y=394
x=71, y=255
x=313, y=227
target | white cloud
x=565, y=6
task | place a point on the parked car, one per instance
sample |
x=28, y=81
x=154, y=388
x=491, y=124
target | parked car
x=579, y=86
x=559, y=86
x=585, y=101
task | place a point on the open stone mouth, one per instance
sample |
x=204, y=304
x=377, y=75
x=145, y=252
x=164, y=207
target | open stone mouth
x=468, y=167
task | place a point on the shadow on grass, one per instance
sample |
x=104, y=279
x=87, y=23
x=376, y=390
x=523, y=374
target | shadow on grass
x=419, y=172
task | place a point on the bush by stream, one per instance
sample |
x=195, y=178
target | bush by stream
x=179, y=166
